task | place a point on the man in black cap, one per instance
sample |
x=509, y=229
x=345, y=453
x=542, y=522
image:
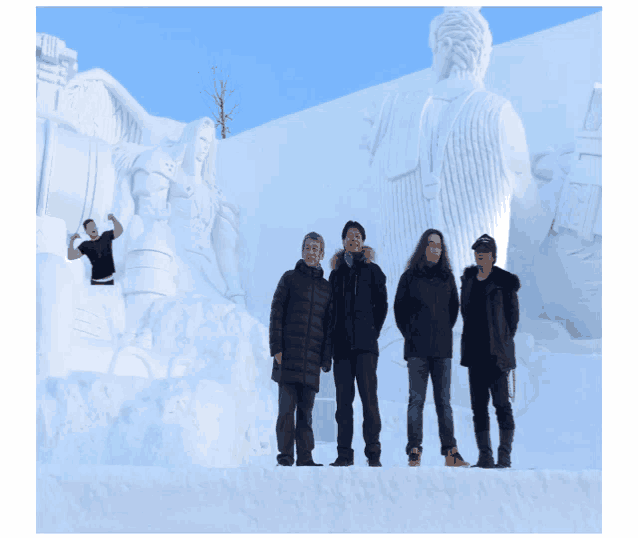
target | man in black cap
x=360, y=305
x=489, y=306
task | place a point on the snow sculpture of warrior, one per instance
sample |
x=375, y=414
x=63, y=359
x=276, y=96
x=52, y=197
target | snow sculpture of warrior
x=452, y=157
x=183, y=233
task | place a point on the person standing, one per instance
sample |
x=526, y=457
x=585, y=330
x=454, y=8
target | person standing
x=300, y=345
x=489, y=306
x=426, y=307
x=98, y=250
x=360, y=307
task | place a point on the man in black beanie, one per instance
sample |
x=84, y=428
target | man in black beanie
x=489, y=306
x=360, y=305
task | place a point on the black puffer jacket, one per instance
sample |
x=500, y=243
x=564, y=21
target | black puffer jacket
x=299, y=323
x=502, y=315
x=360, y=303
x=426, y=307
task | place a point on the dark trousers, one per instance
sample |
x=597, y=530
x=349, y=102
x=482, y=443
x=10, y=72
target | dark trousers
x=486, y=380
x=441, y=372
x=302, y=398
x=363, y=368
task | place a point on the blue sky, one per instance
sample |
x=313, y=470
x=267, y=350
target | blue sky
x=280, y=60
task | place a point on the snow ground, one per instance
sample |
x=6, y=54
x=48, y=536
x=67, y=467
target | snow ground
x=559, y=434
x=309, y=500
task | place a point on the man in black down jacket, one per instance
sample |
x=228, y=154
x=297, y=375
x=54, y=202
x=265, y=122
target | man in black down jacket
x=489, y=306
x=360, y=306
x=300, y=343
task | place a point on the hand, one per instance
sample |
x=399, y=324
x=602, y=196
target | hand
x=278, y=358
x=110, y=216
x=73, y=238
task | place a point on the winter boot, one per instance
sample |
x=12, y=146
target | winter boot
x=505, y=449
x=309, y=463
x=284, y=461
x=486, y=457
x=342, y=461
x=414, y=459
x=374, y=462
x=454, y=459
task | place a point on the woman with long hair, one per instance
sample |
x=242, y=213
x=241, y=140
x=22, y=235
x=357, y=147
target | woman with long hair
x=426, y=307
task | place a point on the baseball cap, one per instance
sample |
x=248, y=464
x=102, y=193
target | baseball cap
x=486, y=242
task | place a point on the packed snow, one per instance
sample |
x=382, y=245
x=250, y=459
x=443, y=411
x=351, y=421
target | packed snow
x=183, y=440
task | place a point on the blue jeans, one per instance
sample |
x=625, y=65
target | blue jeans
x=419, y=368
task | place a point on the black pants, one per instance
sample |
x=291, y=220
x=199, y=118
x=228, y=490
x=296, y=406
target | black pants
x=486, y=380
x=419, y=369
x=363, y=368
x=301, y=397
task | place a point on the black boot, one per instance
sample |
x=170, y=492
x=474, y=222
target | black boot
x=505, y=449
x=486, y=457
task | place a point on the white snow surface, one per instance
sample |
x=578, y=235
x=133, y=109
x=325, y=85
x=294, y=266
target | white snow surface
x=127, y=469
x=309, y=500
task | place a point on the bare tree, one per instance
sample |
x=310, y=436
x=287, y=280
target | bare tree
x=220, y=95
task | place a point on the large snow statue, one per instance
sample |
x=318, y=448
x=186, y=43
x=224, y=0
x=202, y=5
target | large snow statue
x=187, y=332
x=449, y=157
x=182, y=233
x=568, y=268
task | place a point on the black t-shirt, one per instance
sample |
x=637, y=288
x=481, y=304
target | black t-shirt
x=477, y=327
x=100, y=254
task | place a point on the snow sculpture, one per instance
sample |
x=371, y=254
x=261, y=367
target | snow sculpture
x=452, y=157
x=183, y=233
x=55, y=65
x=568, y=269
x=98, y=152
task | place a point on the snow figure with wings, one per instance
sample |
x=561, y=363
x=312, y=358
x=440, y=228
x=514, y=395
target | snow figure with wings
x=449, y=157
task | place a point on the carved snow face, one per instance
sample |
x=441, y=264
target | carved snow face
x=202, y=144
x=353, y=241
x=91, y=229
x=434, y=248
x=312, y=252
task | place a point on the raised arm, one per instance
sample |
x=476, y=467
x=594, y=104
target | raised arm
x=117, y=227
x=73, y=254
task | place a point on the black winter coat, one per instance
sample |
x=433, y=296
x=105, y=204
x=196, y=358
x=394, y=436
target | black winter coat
x=360, y=303
x=299, y=326
x=501, y=301
x=426, y=307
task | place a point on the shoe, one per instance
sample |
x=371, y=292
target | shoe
x=454, y=459
x=414, y=459
x=486, y=458
x=374, y=463
x=309, y=463
x=284, y=464
x=342, y=462
x=505, y=449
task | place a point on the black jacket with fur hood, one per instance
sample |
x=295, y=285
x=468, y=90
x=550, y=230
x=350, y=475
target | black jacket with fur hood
x=299, y=326
x=501, y=300
x=360, y=303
